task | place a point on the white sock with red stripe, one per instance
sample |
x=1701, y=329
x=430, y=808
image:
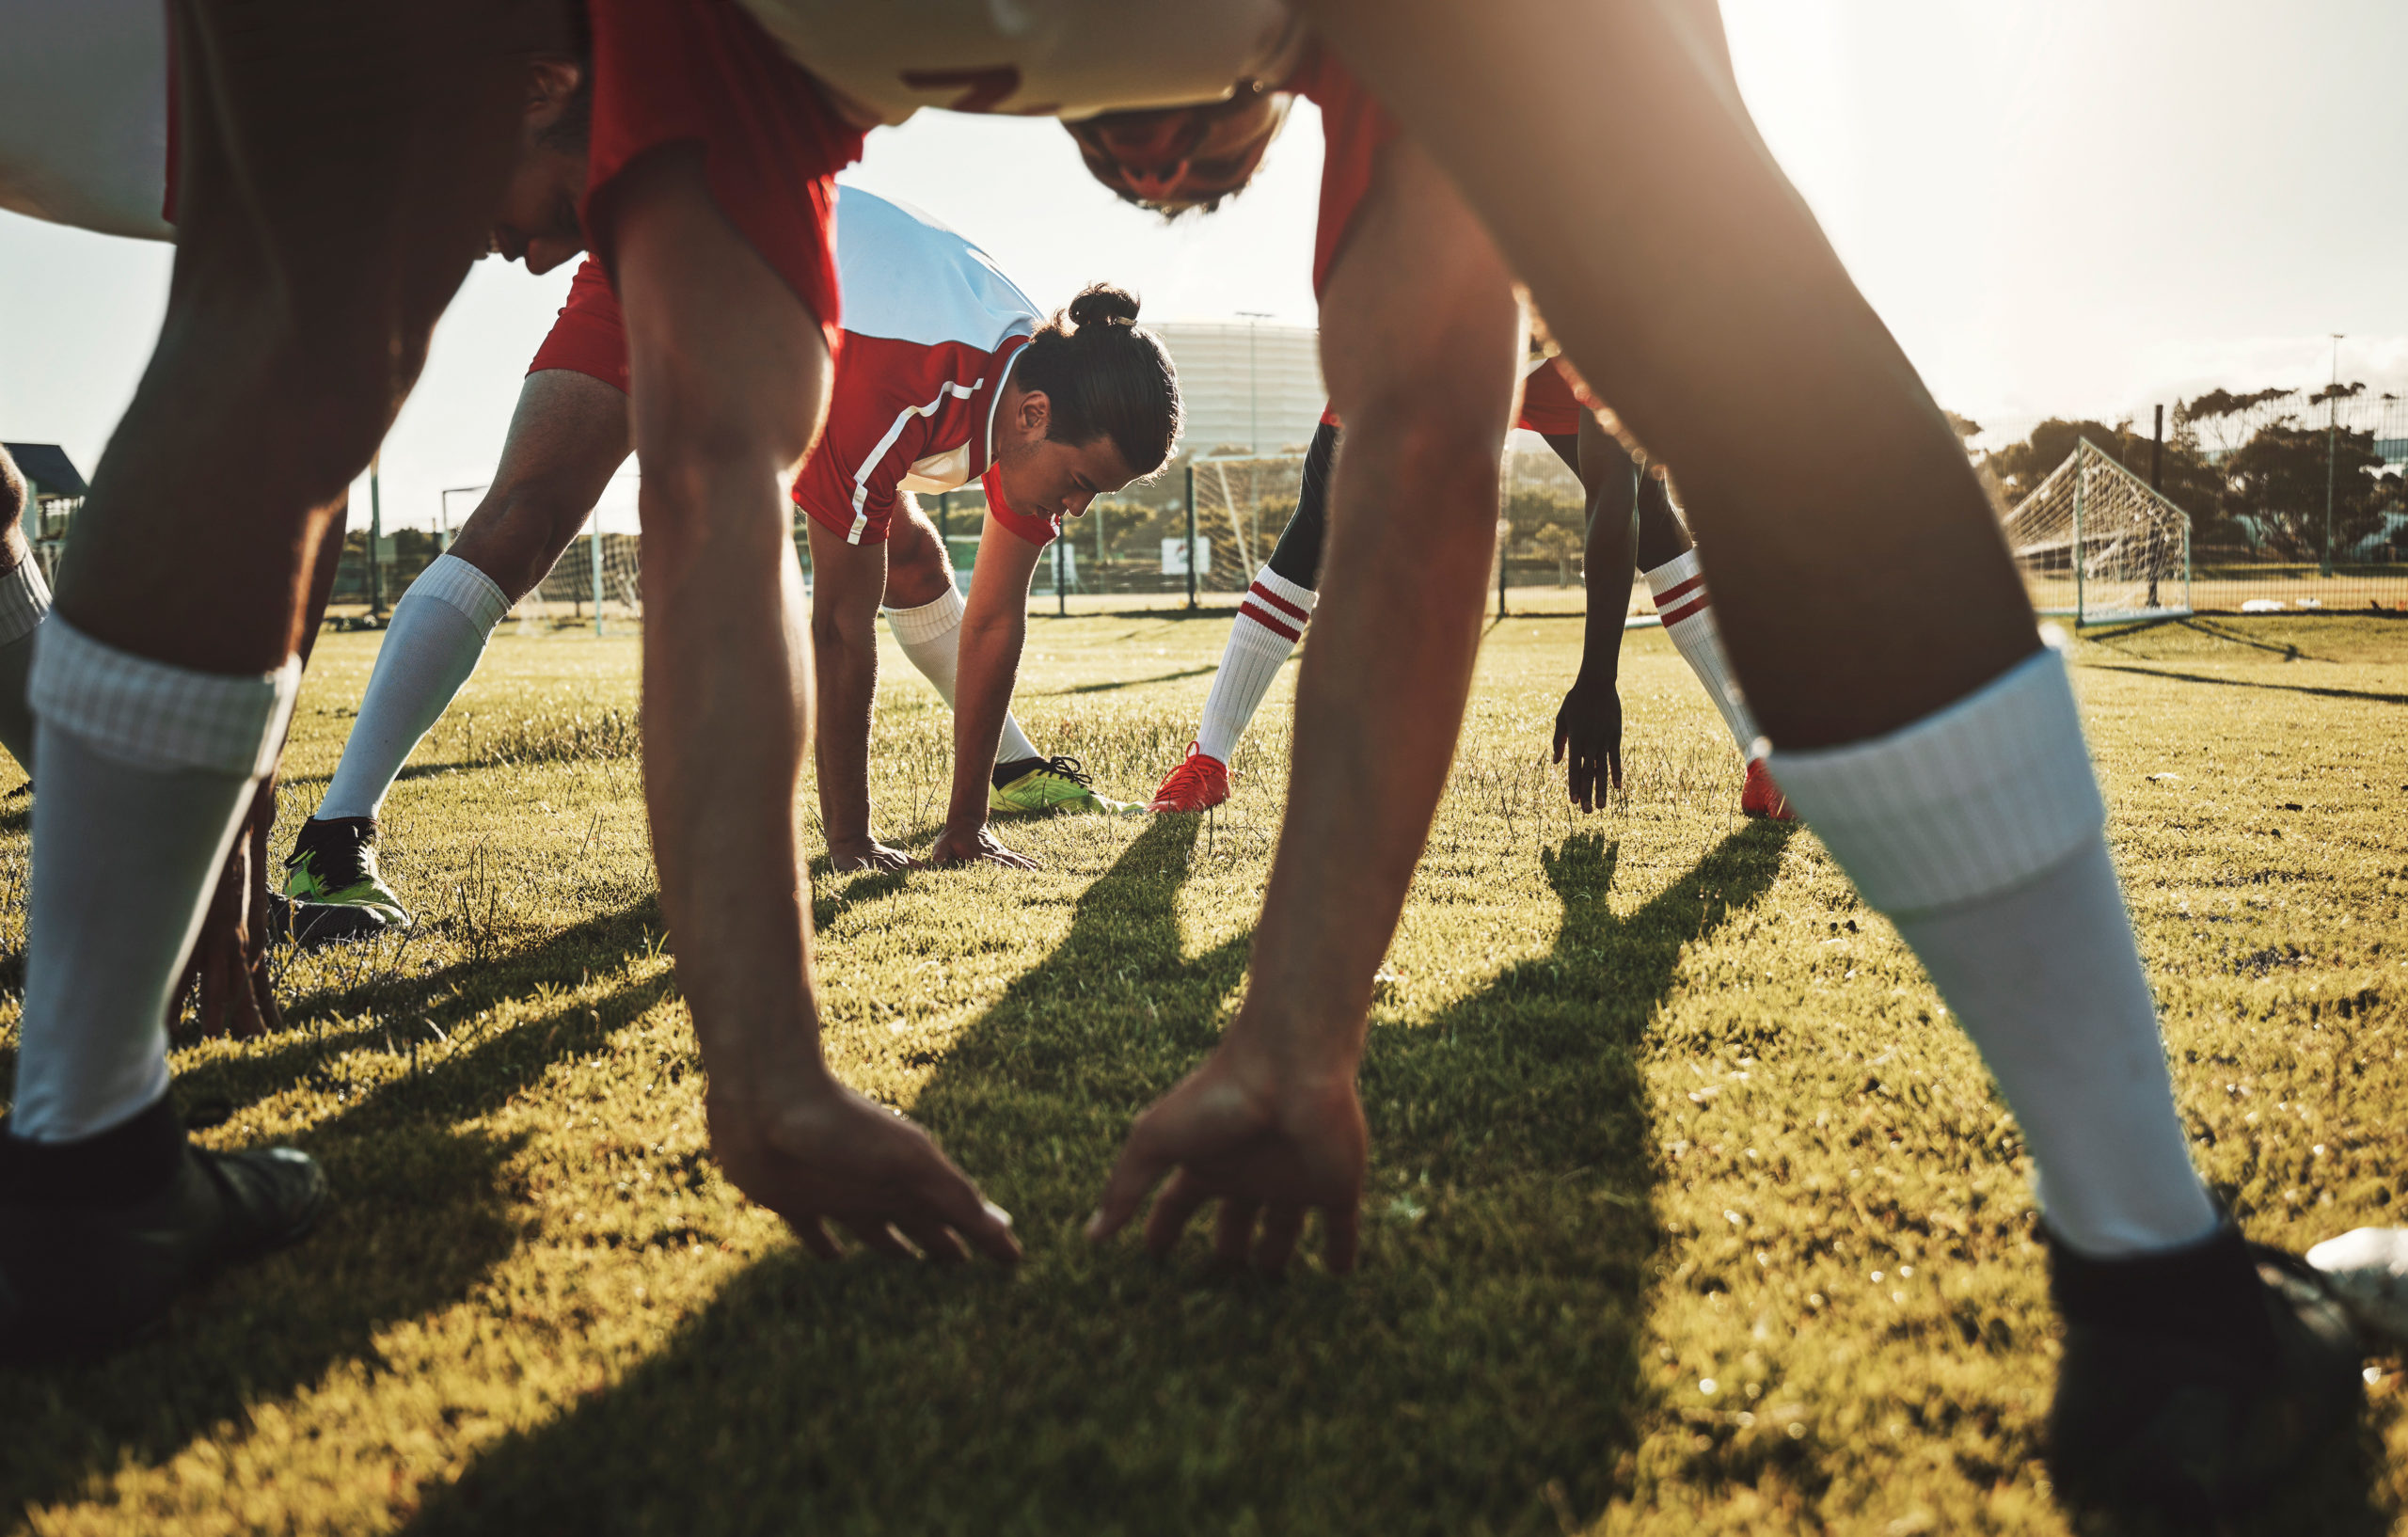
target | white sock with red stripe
x=930, y=635
x=1269, y=623
x=1679, y=586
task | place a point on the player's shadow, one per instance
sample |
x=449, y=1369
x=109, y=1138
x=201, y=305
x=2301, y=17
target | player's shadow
x=1482, y=1368
x=2362, y=695
x=423, y=1212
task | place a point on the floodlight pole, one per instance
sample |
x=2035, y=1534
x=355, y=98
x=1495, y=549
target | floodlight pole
x=375, y=536
x=1061, y=590
x=1191, y=534
x=1253, y=383
x=2080, y=489
x=2332, y=436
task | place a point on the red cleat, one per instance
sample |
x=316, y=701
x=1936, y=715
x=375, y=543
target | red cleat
x=1199, y=784
x=1760, y=797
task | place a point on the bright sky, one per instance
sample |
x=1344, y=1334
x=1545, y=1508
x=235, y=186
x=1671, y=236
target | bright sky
x=2059, y=206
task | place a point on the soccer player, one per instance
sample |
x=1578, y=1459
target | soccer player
x=931, y=383
x=1627, y=506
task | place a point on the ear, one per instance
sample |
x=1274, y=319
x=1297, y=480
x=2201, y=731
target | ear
x=1035, y=414
x=550, y=82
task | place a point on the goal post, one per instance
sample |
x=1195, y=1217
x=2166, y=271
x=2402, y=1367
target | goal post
x=1243, y=502
x=2095, y=542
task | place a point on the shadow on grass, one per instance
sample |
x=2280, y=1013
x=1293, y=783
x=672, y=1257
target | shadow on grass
x=1479, y=1373
x=423, y=1214
x=1116, y=684
x=2138, y=671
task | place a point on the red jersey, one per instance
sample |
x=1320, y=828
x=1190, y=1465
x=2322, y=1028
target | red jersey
x=931, y=327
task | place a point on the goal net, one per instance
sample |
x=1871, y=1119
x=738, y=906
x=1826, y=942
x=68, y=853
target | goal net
x=597, y=579
x=2095, y=542
x=1242, y=504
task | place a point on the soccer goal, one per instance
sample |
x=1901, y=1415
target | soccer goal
x=600, y=576
x=2093, y=541
x=1242, y=504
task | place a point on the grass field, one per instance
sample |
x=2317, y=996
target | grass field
x=1688, y=1213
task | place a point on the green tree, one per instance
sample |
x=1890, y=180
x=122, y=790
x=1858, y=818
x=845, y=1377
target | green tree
x=2279, y=483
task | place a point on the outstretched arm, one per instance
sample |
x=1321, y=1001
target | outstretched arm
x=1421, y=340
x=994, y=626
x=1588, y=725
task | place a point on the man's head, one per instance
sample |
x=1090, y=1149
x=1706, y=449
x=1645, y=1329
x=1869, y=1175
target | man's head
x=1174, y=159
x=537, y=221
x=1093, y=405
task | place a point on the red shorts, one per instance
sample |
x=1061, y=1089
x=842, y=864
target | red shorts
x=1354, y=129
x=590, y=337
x=703, y=71
x=1549, y=407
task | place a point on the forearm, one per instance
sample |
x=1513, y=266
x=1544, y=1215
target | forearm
x=726, y=707
x=1605, y=572
x=989, y=666
x=845, y=666
x=1401, y=598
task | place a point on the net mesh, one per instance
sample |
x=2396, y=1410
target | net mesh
x=2095, y=542
x=580, y=588
x=1242, y=504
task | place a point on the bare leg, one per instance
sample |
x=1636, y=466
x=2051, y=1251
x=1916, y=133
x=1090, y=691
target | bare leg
x=849, y=583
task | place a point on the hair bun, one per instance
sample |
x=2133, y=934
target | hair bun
x=1104, y=303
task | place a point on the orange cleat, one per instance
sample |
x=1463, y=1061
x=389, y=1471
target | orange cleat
x=1760, y=797
x=1199, y=784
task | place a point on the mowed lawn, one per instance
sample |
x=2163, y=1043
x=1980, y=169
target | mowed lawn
x=1689, y=1210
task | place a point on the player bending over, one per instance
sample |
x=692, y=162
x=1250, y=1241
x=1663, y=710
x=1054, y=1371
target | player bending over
x=1938, y=755
x=1626, y=506
x=931, y=318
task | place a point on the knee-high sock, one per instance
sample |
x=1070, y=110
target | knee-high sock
x=147, y=767
x=1269, y=623
x=1979, y=831
x=930, y=635
x=438, y=633
x=25, y=597
x=1679, y=586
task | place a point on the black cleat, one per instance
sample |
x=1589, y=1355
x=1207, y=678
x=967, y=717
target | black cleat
x=310, y=925
x=98, y=1237
x=2195, y=1384
x=334, y=863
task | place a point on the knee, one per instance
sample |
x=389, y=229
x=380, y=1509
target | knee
x=14, y=496
x=917, y=573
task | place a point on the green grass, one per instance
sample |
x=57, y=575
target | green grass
x=1655, y=1105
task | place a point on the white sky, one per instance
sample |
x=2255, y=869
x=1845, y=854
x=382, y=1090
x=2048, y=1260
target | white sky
x=2059, y=206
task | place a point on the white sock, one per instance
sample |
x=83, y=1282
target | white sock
x=1679, y=586
x=1269, y=623
x=437, y=635
x=25, y=597
x=147, y=768
x=930, y=635
x=1979, y=831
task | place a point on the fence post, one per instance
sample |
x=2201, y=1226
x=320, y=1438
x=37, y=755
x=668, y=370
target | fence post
x=597, y=573
x=2157, y=454
x=1061, y=589
x=376, y=537
x=1191, y=536
x=2081, y=487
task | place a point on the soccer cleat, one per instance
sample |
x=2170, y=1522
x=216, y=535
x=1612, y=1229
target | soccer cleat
x=1199, y=783
x=1760, y=797
x=1055, y=784
x=2366, y=1272
x=310, y=925
x=334, y=861
x=2195, y=1385
x=84, y=1268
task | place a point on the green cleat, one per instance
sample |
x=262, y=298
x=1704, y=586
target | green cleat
x=334, y=863
x=1052, y=785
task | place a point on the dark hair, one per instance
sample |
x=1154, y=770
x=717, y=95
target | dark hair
x=1106, y=376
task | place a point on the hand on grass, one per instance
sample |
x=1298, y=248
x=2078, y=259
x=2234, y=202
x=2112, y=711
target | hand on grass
x=1590, y=726
x=976, y=846
x=1267, y=1154
x=830, y=1155
x=869, y=854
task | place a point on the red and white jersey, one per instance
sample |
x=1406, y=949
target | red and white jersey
x=1047, y=59
x=931, y=327
x=83, y=113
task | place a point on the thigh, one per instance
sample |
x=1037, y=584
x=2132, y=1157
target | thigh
x=919, y=569
x=847, y=584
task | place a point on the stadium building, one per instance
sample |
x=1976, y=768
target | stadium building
x=1249, y=387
